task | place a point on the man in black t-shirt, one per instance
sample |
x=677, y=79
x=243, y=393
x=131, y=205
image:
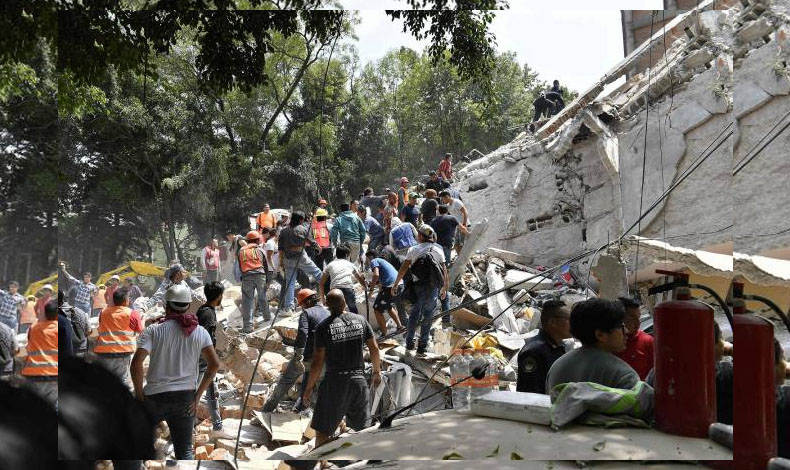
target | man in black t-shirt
x=339, y=342
x=444, y=225
x=207, y=318
x=429, y=207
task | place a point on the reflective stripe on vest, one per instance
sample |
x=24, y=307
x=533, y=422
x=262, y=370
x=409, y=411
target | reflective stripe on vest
x=321, y=233
x=250, y=258
x=42, y=350
x=403, y=237
x=115, y=333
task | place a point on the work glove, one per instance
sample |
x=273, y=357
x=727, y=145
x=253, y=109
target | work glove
x=295, y=365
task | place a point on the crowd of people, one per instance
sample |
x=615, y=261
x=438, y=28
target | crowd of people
x=403, y=238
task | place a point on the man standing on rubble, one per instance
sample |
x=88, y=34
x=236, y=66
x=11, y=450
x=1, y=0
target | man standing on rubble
x=252, y=263
x=349, y=228
x=339, y=342
x=540, y=352
x=266, y=218
x=410, y=212
x=435, y=183
x=341, y=274
x=457, y=209
x=313, y=314
x=118, y=327
x=291, y=245
x=372, y=227
x=599, y=325
x=372, y=201
x=445, y=227
x=427, y=283
x=429, y=207
x=175, y=275
x=207, y=318
x=84, y=289
x=638, y=344
x=210, y=261
x=175, y=345
x=446, y=167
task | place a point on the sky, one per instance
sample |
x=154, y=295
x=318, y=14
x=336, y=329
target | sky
x=571, y=42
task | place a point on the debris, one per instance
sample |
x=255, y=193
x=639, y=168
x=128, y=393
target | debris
x=499, y=303
x=476, y=233
x=467, y=319
x=508, y=256
x=527, y=280
x=516, y=406
x=284, y=427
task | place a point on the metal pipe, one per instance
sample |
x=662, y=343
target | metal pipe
x=773, y=306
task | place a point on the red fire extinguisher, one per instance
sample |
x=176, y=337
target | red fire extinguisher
x=685, y=369
x=754, y=398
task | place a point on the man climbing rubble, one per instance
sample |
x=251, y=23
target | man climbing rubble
x=540, y=352
x=207, y=318
x=426, y=282
x=253, y=267
x=384, y=275
x=291, y=245
x=599, y=325
x=313, y=314
x=402, y=237
x=175, y=275
x=457, y=209
x=373, y=228
x=118, y=327
x=339, y=342
x=341, y=274
x=175, y=345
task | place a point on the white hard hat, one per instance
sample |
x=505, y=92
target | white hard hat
x=48, y=286
x=115, y=277
x=178, y=297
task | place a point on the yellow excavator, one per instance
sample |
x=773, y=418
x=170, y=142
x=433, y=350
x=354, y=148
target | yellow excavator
x=34, y=287
x=132, y=269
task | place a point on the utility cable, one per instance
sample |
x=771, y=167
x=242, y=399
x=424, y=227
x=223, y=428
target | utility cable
x=748, y=159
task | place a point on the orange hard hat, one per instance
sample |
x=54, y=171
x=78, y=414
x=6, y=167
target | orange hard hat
x=253, y=235
x=303, y=295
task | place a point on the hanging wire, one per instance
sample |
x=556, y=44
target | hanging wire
x=644, y=151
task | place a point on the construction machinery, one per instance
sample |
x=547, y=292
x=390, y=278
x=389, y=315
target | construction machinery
x=132, y=269
x=34, y=287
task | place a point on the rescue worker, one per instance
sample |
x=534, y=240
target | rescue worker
x=427, y=283
x=117, y=340
x=291, y=245
x=175, y=345
x=403, y=236
x=41, y=364
x=384, y=275
x=266, y=218
x=253, y=267
x=339, y=343
x=321, y=236
x=313, y=314
x=403, y=193
x=349, y=228
x=341, y=274
x=457, y=209
x=599, y=325
x=175, y=275
x=638, y=344
x=539, y=352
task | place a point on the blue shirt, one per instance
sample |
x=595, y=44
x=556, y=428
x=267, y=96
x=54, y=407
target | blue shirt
x=373, y=227
x=410, y=214
x=387, y=273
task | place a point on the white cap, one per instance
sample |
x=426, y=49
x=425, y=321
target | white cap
x=116, y=277
x=48, y=286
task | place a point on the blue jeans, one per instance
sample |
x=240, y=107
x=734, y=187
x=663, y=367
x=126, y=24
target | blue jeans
x=84, y=306
x=422, y=313
x=375, y=242
x=249, y=285
x=304, y=264
x=212, y=398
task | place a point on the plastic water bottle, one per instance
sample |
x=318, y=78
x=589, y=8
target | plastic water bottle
x=478, y=386
x=459, y=370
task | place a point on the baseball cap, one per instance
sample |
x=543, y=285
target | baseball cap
x=427, y=232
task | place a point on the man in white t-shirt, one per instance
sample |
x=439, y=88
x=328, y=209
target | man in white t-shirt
x=457, y=209
x=341, y=273
x=175, y=346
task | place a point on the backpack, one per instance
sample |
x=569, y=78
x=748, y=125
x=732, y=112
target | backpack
x=427, y=270
x=79, y=337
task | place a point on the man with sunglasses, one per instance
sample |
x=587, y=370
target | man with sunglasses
x=599, y=325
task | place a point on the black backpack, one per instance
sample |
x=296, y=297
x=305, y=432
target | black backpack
x=79, y=337
x=427, y=270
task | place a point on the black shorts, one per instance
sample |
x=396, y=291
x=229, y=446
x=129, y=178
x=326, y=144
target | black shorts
x=384, y=299
x=339, y=396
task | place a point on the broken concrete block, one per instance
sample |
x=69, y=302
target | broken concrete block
x=508, y=256
x=267, y=340
x=202, y=439
x=467, y=319
x=525, y=280
x=200, y=453
x=230, y=411
x=480, y=307
x=219, y=454
x=209, y=448
x=275, y=359
x=497, y=304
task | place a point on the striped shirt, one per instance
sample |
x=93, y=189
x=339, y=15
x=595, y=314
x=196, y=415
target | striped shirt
x=10, y=304
x=84, y=290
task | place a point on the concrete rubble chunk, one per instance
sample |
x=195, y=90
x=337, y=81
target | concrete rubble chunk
x=267, y=340
x=476, y=233
x=508, y=256
x=499, y=303
x=525, y=280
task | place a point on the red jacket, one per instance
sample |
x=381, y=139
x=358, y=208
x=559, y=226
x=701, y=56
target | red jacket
x=639, y=353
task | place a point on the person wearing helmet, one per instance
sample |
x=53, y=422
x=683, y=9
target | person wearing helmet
x=175, y=275
x=175, y=344
x=426, y=283
x=321, y=235
x=403, y=193
x=313, y=314
x=253, y=266
x=293, y=256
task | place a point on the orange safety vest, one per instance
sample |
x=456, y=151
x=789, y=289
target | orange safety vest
x=115, y=333
x=321, y=233
x=42, y=350
x=266, y=220
x=250, y=258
